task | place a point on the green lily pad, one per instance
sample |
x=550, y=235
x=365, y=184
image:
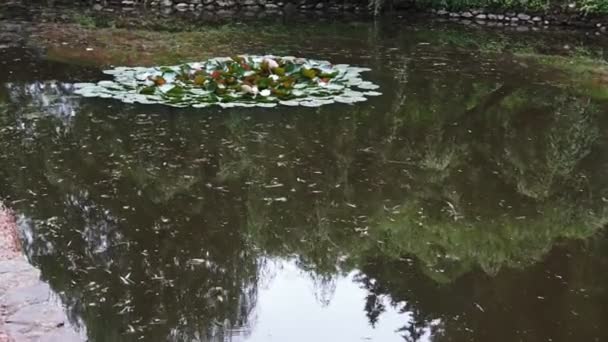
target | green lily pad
x=241, y=81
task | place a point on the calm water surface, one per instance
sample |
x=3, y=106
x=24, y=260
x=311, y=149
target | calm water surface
x=465, y=204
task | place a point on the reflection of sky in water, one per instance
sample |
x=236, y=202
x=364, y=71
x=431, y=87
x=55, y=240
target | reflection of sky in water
x=289, y=310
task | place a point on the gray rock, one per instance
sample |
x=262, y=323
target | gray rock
x=40, y=322
x=537, y=19
x=500, y=17
x=97, y=7
x=492, y=17
x=271, y=6
x=166, y=3
x=514, y=19
x=14, y=266
x=523, y=16
x=442, y=12
x=61, y=334
x=249, y=3
x=225, y=3
x=30, y=295
x=182, y=6
x=481, y=16
x=225, y=13
x=128, y=2
x=319, y=6
x=466, y=15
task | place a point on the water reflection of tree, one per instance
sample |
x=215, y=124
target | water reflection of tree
x=112, y=252
x=420, y=196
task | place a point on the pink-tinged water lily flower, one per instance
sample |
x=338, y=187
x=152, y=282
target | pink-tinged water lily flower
x=271, y=63
x=323, y=82
x=265, y=92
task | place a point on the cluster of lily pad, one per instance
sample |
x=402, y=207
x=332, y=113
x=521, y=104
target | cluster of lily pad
x=245, y=81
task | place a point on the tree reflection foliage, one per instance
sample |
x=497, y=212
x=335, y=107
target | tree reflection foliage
x=449, y=203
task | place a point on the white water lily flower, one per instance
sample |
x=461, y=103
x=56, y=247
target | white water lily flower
x=247, y=89
x=265, y=92
x=274, y=77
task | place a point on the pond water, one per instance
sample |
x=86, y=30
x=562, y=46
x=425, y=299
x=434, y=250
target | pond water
x=467, y=203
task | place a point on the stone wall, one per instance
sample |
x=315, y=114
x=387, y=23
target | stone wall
x=277, y=6
x=219, y=9
x=510, y=18
x=323, y=8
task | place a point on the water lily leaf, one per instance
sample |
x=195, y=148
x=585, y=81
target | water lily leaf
x=175, y=91
x=309, y=73
x=241, y=81
x=148, y=90
x=291, y=103
x=367, y=86
x=266, y=105
x=83, y=85
x=165, y=88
